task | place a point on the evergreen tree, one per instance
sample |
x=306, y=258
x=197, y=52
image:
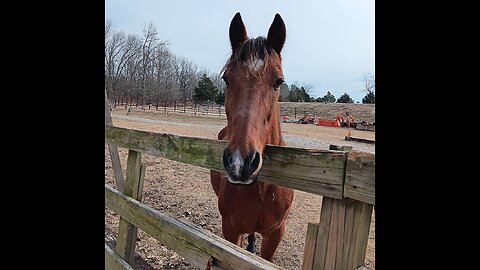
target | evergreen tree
x=293, y=94
x=220, y=99
x=296, y=94
x=205, y=90
x=369, y=88
x=304, y=95
x=369, y=98
x=345, y=98
x=328, y=98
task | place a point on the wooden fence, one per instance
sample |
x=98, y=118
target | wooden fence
x=213, y=109
x=339, y=241
x=346, y=180
x=218, y=110
x=294, y=112
x=207, y=108
x=189, y=107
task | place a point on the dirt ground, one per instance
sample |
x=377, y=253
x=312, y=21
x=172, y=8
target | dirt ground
x=184, y=191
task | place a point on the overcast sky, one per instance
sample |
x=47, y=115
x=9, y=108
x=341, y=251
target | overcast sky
x=330, y=43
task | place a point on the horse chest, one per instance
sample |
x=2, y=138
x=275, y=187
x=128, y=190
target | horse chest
x=250, y=209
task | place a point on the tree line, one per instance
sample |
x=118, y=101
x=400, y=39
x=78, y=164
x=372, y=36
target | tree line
x=142, y=69
x=207, y=91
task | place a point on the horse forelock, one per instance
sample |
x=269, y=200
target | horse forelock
x=254, y=53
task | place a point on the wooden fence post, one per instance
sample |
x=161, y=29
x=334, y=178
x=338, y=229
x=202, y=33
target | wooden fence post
x=117, y=167
x=310, y=241
x=340, y=240
x=342, y=234
x=127, y=233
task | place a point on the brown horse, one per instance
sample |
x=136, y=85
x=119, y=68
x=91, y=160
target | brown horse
x=253, y=75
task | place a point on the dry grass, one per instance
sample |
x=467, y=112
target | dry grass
x=361, y=112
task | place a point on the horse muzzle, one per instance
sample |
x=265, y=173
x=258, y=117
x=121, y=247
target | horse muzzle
x=242, y=170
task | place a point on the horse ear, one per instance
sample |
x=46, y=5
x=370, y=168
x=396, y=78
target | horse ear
x=277, y=34
x=237, y=32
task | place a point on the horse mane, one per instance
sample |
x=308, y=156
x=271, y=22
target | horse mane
x=249, y=51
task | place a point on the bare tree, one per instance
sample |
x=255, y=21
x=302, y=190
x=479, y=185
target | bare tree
x=218, y=81
x=108, y=28
x=164, y=74
x=131, y=66
x=147, y=64
x=307, y=87
x=369, y=83
x=284, y=91
x=186, y=77
x=119, y=52
x=113, y=48
x=139, y=69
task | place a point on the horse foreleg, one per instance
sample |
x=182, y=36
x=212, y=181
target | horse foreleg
x=271, y=241
x=230, y=234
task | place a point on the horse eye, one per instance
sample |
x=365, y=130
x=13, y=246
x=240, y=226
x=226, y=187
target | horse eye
x=224, y=77
x=278, y=82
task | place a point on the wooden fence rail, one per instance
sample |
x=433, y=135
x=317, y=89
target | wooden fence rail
x=338, y=241
x=195, y=109
x=315, y=171
x=195, y=244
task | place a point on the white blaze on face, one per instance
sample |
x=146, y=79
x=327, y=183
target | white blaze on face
x=237, y=162
x=255, y=64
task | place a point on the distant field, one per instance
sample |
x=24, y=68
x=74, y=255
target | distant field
x=295, y=110
x=361, y=112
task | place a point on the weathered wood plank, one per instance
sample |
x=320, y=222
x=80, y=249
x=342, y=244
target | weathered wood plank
x=322, y=236
x=112, y=148
x=360, y=177
x=349, y=138
x=117, y=167
x=363, y=215
x=139, y=187
x=195, y=151
x=127, y=232
x=310, y=241
x=342, y=234
x=108, y=116
x=357, y=225
x=340, y=205
x=315, y=171
x=349, y=237
x=113, y=261
x=332, y=244
x=184, y=238
x=346, y=148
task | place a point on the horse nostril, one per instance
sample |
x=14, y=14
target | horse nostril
x=227, y=156
x=255, y=159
